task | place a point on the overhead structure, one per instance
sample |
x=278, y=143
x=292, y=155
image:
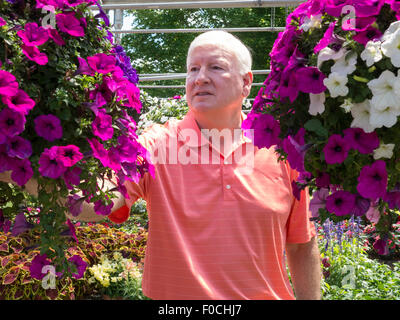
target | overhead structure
x=116, y=7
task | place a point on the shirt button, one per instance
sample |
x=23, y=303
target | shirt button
x=228, y=186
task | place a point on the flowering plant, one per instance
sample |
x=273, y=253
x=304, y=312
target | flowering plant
x=331, y=104
x=117, y=276
x=67, y=96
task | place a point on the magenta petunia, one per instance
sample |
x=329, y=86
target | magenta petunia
x=80, y=265
x=102, y=209
x=18, y=147
x=334, y=7
x=68, y=23
x=102, y=63
x=21, y=171
x=367, y=8
x=72, y=177
x=53, y=34
x=127, y=148
x=318, y=201
x=33, y=35
x=84, y=68
x=8, y=84
x=372, y=181
x=69, y=155
x=12, y=123
x=322, y=180
x=102, y=126
x=326, y=39
x=72, y=230
x=131, y=96
x=75, y=204
x=340, y=203
x=48, y=127
x=296, y=149
x=393, y=199
x=33, y=53
x=50, y=165
x=381, y=247
x=6, y=161
x=99, y=152
x=37, y=264
x=336, y=150
x=2, y=22
x=368, y=34
x=361, y=206
x=359, y=140
x=262, y=129
x=310, y=80
x=20, y=102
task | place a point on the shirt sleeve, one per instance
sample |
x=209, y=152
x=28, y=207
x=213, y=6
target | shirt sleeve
x=299, y=227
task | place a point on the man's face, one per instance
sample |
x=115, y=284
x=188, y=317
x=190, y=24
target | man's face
x=213, y=80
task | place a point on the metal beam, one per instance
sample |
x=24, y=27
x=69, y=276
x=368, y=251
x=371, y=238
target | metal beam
x=196, y=30
x=108, y=5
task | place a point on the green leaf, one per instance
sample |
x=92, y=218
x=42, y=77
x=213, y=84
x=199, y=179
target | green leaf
x=314, y=125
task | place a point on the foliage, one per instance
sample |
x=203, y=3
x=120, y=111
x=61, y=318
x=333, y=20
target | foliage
x=351, y=275
x=66, y=90
x=91, y=244
x=166, y=52
x=330, y=106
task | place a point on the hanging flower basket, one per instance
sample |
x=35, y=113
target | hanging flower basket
x=330, y=107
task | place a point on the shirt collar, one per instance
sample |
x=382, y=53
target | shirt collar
x=189, y=122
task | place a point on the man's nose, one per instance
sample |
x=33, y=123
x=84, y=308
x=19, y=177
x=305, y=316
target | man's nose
x=202, y=76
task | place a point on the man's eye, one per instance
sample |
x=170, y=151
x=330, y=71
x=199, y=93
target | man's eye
x=193, y=69
x=217, y=68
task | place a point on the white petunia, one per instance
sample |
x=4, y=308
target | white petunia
x=372, y=53
x=317, y=104
x=312, y=22
x=391, y=48
x=329, y=54
x=383, y=118
x=391, y=30
x=384, y=151
x=361, y=113
x=346, y=64
x=383, y=91
x=336, y=84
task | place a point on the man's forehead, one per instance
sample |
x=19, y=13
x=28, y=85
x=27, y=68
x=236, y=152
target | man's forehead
x=212, y=52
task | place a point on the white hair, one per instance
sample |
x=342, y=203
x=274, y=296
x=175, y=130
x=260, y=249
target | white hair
x=227, y=41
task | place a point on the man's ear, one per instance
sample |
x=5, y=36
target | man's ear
x=247, y=82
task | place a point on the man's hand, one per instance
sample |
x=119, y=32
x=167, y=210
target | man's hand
x=305, y=269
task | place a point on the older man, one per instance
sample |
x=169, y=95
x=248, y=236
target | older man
x=221, y=211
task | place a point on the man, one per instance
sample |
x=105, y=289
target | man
x=221, y=211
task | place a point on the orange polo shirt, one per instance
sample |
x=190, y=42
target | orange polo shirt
x=217, y=230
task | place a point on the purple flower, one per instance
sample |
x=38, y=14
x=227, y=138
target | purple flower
x=5, y=224
x=99, y=152
x=318, y=201
x=84, y=68
x=296, y=150
x=380, y=245
x=372, y=181
x=80, y=265
x=2, y=22
x=322, y=180
x=72, y=177
x=102, y=209
x=102, y=126
x=11, y=123
x=8, y=84
x=50, y=165
x=21, y=171
x=102, y=63
x=20, y=225
x=20, y=102
x=127, y=149
x=359, y=140
x=33, y=53
x=334, y=7
x=69, y=155
x=361, y=206
x=393, y=199
x=262, y=129
x=33, y=35
x=367, y=8
x=340, y=203
x=336, y=150
x=288, y=86
x=326, y=39
x=75, y=204
x=310, y=80
x=5, y=161
x=369, y=34
x=102, y=15
x=18, y=147
x=37, y=265
x=68, y=23
x=48, y=127
x=72, y=230
x=58, y=40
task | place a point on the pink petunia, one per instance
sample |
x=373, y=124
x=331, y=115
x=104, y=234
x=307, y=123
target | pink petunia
x=33, y=35
x=33, y=53
x=102, y=63
x=53, y=34
x=2, y=22
x=68, y=23
x=69, y=155
x=20, y=102
x=102, y=126
x=8, y=84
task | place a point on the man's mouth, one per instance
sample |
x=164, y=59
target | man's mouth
x=203, y=94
